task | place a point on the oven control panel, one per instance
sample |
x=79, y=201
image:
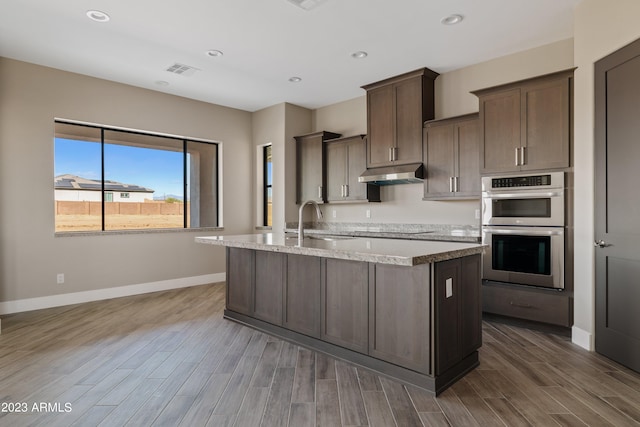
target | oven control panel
x=507, y=182
x=521, y=181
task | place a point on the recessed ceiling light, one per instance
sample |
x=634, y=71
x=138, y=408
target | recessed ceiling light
x=295, y=79
x=96, y=15
x=359, y=54
x=451, y=19
x=214, y=52
x=162, y=83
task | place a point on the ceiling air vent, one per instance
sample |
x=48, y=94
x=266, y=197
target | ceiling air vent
x=181, y=69
x=307, y=4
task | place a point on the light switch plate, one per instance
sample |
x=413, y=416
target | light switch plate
x=449, y=288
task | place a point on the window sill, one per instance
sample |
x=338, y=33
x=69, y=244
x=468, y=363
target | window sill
x=127, y=232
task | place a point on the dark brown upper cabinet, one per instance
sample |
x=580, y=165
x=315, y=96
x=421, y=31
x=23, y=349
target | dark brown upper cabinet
x=451, y=158
x=526, y=125
x=346, y=160
x=396, y=110
x=311, y=183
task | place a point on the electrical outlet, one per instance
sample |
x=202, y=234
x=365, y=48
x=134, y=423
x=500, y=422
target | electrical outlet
x=368, y=213
x=333, y=213
x=60, y=278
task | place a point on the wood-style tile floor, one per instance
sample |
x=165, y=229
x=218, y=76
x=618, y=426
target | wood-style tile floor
x=170, y=359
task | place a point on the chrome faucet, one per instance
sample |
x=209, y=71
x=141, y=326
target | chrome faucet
x=300, y=224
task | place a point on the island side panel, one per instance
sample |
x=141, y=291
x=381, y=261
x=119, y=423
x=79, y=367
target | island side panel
x=471, y=328
x=458, y=316
x=400, y=315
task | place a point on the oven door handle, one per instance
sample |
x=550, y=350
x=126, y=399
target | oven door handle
x=522, y=195
x=524, y=232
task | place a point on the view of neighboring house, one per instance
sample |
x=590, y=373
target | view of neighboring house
x=74, y=188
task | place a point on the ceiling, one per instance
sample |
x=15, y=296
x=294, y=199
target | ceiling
x=265, y=42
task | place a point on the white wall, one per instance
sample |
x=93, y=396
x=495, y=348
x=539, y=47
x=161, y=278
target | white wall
x=30, y=254
x=600, y=28
x=403, y=203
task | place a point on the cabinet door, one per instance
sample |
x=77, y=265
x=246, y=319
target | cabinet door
x=240, y=270
x=310, y=169
x=439, y=161
x=345, y=304
x=336, y=170
x=399, y=316
x=268, y=286
x=546, y=124
x=409, y=121
x=356, y=165
x=302, y=294
x=500, y=131
x=468, y=158
x=380, y=125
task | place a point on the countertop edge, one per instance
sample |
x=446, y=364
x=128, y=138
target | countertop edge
x=350, y=254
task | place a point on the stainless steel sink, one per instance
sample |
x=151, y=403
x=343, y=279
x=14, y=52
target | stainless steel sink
x=328, y=238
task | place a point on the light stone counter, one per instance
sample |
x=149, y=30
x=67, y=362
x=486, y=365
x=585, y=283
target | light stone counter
x=376, y=250
x=440, y=232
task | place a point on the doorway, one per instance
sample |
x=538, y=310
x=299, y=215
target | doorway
x=617, y=205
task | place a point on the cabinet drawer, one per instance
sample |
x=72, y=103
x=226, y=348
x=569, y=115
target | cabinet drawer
x=537, y=305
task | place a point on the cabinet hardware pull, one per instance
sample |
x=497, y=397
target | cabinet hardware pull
x=319, y=191
x=515, y=304
x=522, y=162
x=391, y=154
x=456, y=184
x=395, y=153
x=517, y=156
x=346, y=190
x=450, y=184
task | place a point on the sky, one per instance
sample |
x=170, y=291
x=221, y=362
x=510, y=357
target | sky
x=159, y=170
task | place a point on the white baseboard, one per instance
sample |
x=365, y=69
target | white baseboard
x=19, y=306
x=582, y=338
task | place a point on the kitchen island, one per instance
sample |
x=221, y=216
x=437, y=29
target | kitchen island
x=404, y=308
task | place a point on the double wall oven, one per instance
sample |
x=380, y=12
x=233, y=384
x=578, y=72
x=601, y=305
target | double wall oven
x=523, y=222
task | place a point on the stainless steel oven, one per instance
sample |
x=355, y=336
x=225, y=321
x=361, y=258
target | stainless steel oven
x=523, y=223
x=529, y=200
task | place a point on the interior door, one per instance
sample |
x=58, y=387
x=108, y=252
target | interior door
x=617, y=205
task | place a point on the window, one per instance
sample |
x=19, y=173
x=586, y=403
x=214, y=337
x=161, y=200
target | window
x=267, y=167
x=108, y=179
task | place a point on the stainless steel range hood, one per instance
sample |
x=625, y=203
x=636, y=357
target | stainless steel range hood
x=391, y=175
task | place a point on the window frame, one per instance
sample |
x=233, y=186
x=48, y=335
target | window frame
x=185, y=142
x=266, y=186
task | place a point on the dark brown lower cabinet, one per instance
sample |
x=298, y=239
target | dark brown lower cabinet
x=302, y=294
x=268, y=286
x=345, y=305
x=420, y=324
x=240, y=280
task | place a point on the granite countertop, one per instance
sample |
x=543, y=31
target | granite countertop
x=383, y=251
x=440, y=232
